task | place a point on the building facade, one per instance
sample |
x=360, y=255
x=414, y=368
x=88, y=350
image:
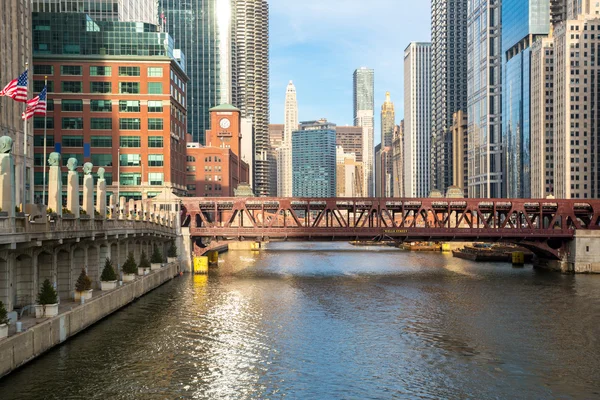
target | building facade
x=398, y=161
x=388, y=122
x=522, y=23
x=382, y=166
x=417, y=119
x=250, y=78
x=448, y=82
x=16, y=48
x=276, y=132
x=314, y=160
x=484, y=98
x=123, y=112
x=460, y=147
x=349, y=179
x=364, y=116
x=291, y=124
x=350, y=138
x=103, y=10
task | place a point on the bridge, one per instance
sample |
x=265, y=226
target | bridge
x=546, y=226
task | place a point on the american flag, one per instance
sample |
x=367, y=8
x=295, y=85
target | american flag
x=36, y=106
x=17, y=88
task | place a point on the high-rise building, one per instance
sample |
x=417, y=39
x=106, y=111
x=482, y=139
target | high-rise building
x=15, y=45
x=291, y=124
x=522, y=23
x=542, y=118
x=460, y=146
x=314, y=160
x=417, y=119
x=484, y=98
x=104, y=10
x=202, y=30
x=250, y=78
x=388, y=122
x=558, y=11
x=348, y=174
x=276, y=132
x=364, y=116
x=448, y=82
x=398, y=161
x=351, y=140
x=382, y=166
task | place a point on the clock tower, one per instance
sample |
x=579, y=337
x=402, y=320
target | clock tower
x=225, y=128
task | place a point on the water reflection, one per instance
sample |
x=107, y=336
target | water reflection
x=316, y=320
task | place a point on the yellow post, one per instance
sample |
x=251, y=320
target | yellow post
x=213, y=257
x=201, y=265
x=518, y=258
x=446, y=247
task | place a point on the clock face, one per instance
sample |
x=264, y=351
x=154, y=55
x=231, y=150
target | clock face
x=224, y=123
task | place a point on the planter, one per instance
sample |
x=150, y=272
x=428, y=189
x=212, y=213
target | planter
x=86, y=294
x=68, y=216
x=85, y=216
x=171, y=259
x=128, y=277
x=108, y=285
x=155, y=266
x=3, y=331
x=3, y=214
x=51, y=310
x=141, y=271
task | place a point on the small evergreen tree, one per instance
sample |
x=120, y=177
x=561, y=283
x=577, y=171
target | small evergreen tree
x=3, y=314
x=83, y=282
x=172, y=250
x=108, y=273
x=130, y=267
x=157, y=256
x=144, y=263
x=47, y=294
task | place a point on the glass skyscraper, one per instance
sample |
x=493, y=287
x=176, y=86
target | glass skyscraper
x=364, y=116
x=523, y=21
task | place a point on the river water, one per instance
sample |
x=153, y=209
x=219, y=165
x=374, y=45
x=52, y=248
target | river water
x=332, y=321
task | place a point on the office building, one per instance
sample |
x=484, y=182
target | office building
x=250, y=78
x=291, y=124
x=15, y=43
x=349, y=179
x=460, y=148
x=364, y=116
x=522, y=23
x=314, y=160
x=382, y=177
x=484, y=98
x=388, y=122
x=103, y=10
x=275, y=144
x=116, y=98
x=448, y=82
x=397, y=160
x=417, y=119
x=350, y=138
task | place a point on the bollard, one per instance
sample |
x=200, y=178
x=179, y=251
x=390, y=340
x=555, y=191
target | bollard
x=19, y=327
x=82, y=300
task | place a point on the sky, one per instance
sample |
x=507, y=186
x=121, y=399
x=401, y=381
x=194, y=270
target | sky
x=319, y=43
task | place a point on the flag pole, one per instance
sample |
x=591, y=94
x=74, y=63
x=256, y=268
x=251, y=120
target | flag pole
x=44, y=202
x=25, y=146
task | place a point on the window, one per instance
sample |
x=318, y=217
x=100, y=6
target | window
x=101, y=105
x=39, y=85
x=129, y=71
x=38, y=123
x=101, y=141
x=130, y=160
x=129, y=87
x=71, y=86
x=132, y=124
x=38, y=178
x=66, y=156
x=72, y=123
x=130, y=141
x=101, y=123
x=155, y=106
x=190, y=168
x=38, y=140
x=155, y=178
x=72, y=105
x=100, y=71
x=72, y=141
x=100, y=87
x=155, y=71
x=129, y=106
x=102, y=160
x=49, y=104
x=191, y=159
x=155, y=160
x=155, y=124
x=155, y=88
x=75, y=70
x=43, y=70
x=155, y=141
x=130, y=179
x=38, y=159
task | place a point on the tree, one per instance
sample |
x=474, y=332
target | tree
x=130, y=267
x=108, y=273
x=157, y=256
x=172, y=250
x=83, y=282
x=47, y=294
x=144, y=263
x=3, y=314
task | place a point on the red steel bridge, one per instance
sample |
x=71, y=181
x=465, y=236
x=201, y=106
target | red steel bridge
x=544, y=226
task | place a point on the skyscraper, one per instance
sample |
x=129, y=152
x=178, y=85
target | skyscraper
x=104, y=10
x=364, y=116
x=448, y=82
x=388, y=122
x=291, y=124
x=417, y=119
x=484, y=97
x=250, y=78
x=202, y=30
x=398, y=161
x=523, y=21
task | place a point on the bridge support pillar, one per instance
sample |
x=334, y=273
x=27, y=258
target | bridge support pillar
x=580, y=255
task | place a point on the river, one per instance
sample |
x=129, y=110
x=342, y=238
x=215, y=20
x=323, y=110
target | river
x=332, y=321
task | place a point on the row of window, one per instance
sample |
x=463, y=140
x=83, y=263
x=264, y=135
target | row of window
x=98, y=87
x=76, y=123
x=106, y=105
x=77, y=70
x=135, y=179
x=106, y=160
x=99, y=141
